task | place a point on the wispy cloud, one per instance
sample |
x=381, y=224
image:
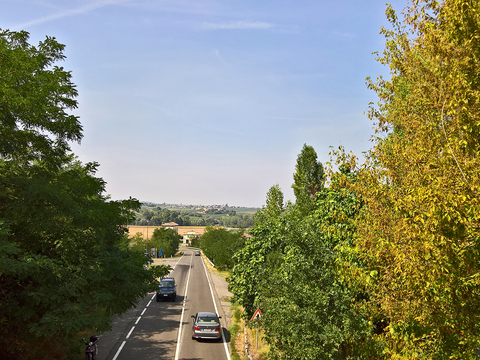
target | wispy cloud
x=71, y=12
x=237, y=25
x=217, y=54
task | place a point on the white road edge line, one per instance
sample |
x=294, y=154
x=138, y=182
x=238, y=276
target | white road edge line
x=143, y=312
x=216, y=310
x=177, y=351
x=118, y=351
x=148, y=304
x=136, y=322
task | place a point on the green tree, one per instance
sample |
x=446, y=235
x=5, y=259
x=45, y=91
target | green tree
x=166, y=239
x=137, y=243
x=268, y=236
x=306, y=303
x=219, y=245
x=419, y=233
x=294, y=268
x=308, y=177
x=35, y=95
x=63, y=264
x=64, y=259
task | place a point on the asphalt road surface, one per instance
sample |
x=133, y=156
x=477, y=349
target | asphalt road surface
x=163, y=330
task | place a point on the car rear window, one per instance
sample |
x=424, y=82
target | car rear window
x=166, y=284
x=207, y=320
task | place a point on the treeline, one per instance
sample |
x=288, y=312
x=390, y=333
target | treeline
x=382, y=260
x=163, y=239
x=159, y=216
x=65, y=262
x=219, y=245
x=221, y=211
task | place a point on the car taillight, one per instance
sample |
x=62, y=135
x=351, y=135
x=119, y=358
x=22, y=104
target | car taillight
x=196, y=328
x=217, y=329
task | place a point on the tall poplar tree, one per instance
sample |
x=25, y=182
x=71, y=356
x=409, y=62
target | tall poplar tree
x=308, y=177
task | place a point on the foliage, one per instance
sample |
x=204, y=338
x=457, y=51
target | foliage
x=219, y=245
x=308, y=177
x=64, y=259
x=307, y=305
x=195, y=241
x=292, y=269
x=62, y=265
x=235, y=331
x=419, y=234
x=34, y=97
x=166, y=239
x=138, y=244
x=237, y=221
x=209, y=217
x=251, y=260
x=160, y=216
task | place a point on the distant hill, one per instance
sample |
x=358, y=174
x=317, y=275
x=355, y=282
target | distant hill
x=155, y=214
x=237, y=209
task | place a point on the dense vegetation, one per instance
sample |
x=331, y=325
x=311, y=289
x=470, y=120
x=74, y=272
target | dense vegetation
x=65, y=265
x=219, y=245
x=226, y=217
x=419, y=236
x=381, y=260
x=290, y=268
x=163, y=239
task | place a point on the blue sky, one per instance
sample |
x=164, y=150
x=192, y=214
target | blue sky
x=209, y=101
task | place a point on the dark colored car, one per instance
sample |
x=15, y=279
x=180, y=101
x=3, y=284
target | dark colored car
x=206, y=325
x=197, y=253
x=167, y=289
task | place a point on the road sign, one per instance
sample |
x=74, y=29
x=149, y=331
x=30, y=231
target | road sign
x=257, y=315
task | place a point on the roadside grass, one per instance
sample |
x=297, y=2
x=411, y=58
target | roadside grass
x=260, y=352
x=237, y=338
x=224, y=274
x=237, y=351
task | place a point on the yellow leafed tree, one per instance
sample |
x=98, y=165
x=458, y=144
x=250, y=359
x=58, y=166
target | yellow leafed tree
x=419, y=238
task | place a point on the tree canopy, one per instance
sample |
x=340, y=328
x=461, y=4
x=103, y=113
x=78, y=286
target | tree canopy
x=34, y=99
x=291, y=269
x=308, y=177
x=419, y=233
x=167, y=240
x=219, y=245
x=65, y=266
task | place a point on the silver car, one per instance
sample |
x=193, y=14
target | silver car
x=206, y=325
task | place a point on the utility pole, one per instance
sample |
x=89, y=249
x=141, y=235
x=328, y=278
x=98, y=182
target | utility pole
x=146, y=246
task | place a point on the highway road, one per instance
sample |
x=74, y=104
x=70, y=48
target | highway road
x=163, y=330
